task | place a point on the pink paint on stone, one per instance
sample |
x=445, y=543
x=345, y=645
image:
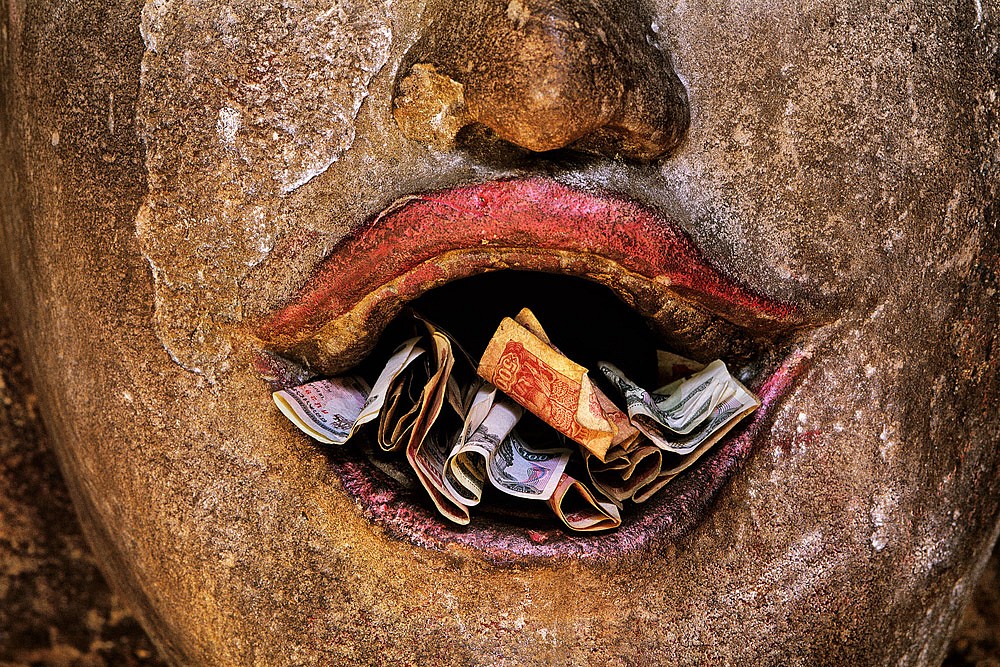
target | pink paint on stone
x=533, y=214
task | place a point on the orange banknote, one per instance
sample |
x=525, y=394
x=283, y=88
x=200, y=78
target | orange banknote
x=551, y=386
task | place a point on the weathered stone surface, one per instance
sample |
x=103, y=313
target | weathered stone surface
x=280, y=87
x=840, y=156
x=977, y=641
x=56, y=609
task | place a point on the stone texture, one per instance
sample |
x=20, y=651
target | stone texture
x=281, y=87
x=56, y=610
x=854, y=166
x=977, y=641
x=55, y=607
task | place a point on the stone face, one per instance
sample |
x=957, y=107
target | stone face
x=838, y=157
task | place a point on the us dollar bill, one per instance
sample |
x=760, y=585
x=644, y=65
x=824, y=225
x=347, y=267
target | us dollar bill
x=685, y=404
x=727, y=402
x=518, y=469
x=724, y=417
x=465, y=471
x=476, y=409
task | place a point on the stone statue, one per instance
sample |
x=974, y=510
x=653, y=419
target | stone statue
x=196, y=191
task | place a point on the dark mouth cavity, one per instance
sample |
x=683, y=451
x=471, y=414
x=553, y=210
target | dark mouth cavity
x=587, y=321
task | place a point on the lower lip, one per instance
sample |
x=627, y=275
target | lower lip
x=542, y=214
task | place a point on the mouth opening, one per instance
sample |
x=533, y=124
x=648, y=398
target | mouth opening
x=590, y=323
x=608, y=280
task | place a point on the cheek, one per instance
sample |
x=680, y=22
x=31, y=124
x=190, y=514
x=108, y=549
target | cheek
x=818, y=138
x=863, y=480
x=239, y=107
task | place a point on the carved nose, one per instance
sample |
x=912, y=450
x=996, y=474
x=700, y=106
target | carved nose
x=543, y=74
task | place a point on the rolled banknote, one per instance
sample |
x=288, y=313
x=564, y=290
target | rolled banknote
x=427, y=460
x=496, y=452
x=548, y=384
x=628, y=475
x=726, y=415
x=466, y=478
x=657, y=414
x=404, y=355
x=402, y=405
x=626, y=433
x=579, y=509
x=476, y=408
x=465, y=471
x=330, y=411
x=674, y=464
x=465, y=475
x=688, y=403
x=427, y=450
x=326, y=410
x=463, y=383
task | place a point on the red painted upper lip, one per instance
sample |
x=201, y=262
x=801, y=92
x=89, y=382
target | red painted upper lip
x=544, y=224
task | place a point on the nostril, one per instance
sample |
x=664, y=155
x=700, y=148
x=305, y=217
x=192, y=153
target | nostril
x=429, y=107
x=544, y=75
x=484, y=146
